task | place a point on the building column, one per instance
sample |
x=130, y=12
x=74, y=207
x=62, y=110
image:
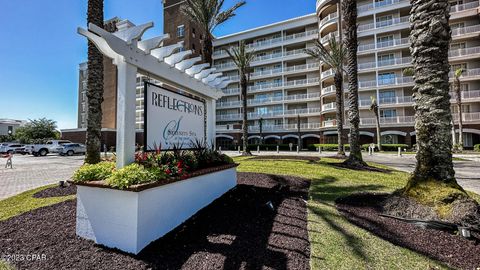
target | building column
x=126, y=98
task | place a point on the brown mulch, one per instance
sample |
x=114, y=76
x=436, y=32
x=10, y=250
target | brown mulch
x=364, y=211
x=56, y=191
x=237, y=231
x=307, y=158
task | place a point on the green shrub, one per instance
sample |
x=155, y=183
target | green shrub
x=476, y=147
x=134, y=174
x=328, y=146
x=94, y=172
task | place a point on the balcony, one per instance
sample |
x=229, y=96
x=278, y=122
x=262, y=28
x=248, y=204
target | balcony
x=467, y=95
x=383, y=24
x=395, y=100
x=398, y=120
x=469, y=73
x=329, y=36
x=301, y=111
x=385, y=82
x=364, y=103
x=231, y=91
x=229, y=104
x=270, y=42
x=329, y=107
x=458, y=8
x=327, y=73
x=380, y=4
x=299, y=68
x=265, y=86
x=467, y=117
x=395, y=62
x=329, y=123
x=302, y=82
x=464, y=52
x=284, y=127
x=300, y=97
x=266, y=72
x=330, y=18
x=328, y=90
x=466, y=30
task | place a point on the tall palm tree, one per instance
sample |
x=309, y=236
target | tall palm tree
x=349, y=9
x=375, y=109
x=208, y=15
x=242, y=59
x=430, y=37
x=94, y=87
x=458, y=95
x=333, y=57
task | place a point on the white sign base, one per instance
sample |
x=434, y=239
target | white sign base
x=130, y=220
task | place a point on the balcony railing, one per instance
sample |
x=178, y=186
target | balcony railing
x=382, y=24
x=330, y=123
x=279, y=113
x=466, y=95
x=329, y=89
x=266, y=72
x=388, y=120
x=301, y=67
x=301, y=82
x=385, y=82
x=379, y=4
x=330, y=17
x=327, y=73
x=466, y=30
x=474, y=72
x=329, y=36
x=395, y=62
x=284, y=127
x=395, y=100
x=458, y=8
x=467, y=117
x=329, y=106
x=464, y=52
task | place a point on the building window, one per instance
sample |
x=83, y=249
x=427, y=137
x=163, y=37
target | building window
x=181, y=31
x=388, y=113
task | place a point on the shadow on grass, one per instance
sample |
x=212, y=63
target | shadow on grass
x=325, y=191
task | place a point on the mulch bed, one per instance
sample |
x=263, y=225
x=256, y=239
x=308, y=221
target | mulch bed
x=363, y=210
x=237, y=231
x=307, y=158
x=56, y=191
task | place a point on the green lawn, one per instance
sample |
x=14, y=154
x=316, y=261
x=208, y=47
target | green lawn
x=335, y=243
x=24, y=202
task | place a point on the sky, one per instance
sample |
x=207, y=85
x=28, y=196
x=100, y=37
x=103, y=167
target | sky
x=40, y=49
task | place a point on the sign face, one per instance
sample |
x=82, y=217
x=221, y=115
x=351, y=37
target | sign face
x=172, y=119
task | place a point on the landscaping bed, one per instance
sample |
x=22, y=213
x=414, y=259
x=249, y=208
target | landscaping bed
x=56, y=191
x=238, y=230
x=364, y=211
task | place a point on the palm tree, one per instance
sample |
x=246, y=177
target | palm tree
x=458, y=95
x=208, y=15
x=242, y=59
x=375, y=109
x=333, y=57
x=433, y=118
x=349, y=9
x=94, y=87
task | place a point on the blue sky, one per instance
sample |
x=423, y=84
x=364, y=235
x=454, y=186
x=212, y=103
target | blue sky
x=40, y=49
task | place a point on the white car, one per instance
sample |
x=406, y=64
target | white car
x=52, y=146
x=11, y=148
x=71, y=149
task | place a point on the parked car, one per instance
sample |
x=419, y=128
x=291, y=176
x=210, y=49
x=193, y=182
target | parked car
x=70, y=149
x=52, y=146
x=11, y=148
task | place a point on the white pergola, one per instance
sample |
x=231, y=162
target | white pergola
x=167, y=64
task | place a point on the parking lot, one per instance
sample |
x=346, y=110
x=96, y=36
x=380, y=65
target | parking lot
x=31, y=172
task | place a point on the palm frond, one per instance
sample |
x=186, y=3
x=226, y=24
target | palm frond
x=333, y=57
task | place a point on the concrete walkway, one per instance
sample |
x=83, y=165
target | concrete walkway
x=30, y=172
x=467, y=172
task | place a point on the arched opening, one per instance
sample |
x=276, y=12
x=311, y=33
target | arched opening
x=226, y=143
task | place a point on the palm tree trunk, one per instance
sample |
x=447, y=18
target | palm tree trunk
x=338, y=80
x=350, y=18
x=94, y=87
x=458, y=93
x=430, y=37
x=243, y=86
x=379, y=134
x=207, y=49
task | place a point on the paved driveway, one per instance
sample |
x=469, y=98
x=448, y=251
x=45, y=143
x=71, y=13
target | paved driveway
x=31, y=172
x=466, y=172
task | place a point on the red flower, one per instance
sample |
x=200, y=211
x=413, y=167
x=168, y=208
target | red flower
x=168, y=171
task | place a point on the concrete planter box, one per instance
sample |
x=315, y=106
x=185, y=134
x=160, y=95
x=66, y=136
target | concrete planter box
x=131, y=219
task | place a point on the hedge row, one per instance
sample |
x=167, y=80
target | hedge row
x=476, y=148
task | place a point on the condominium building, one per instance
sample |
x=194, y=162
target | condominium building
x=288, y=87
